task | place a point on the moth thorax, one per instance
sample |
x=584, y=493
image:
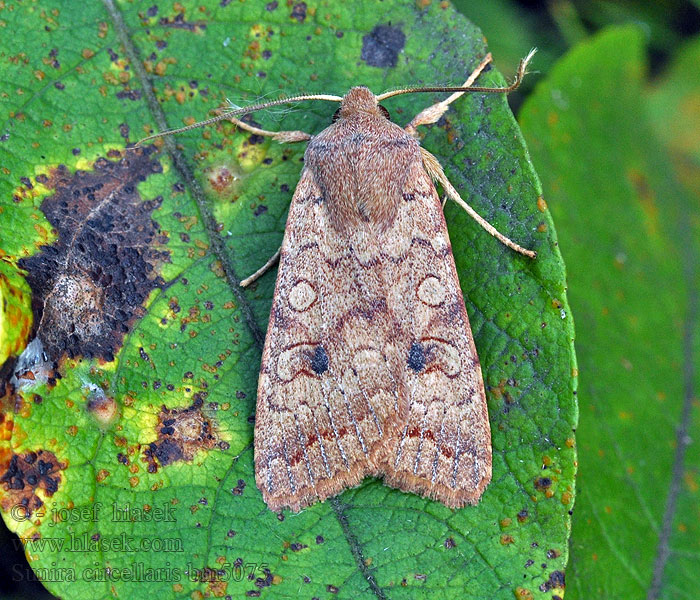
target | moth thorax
x=359, y=99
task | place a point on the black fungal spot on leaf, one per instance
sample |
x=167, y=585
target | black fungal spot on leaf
x=381, y=46
x=129, y=95
x=261, y=582
x=297, y=547
x=181, y=433
x=299, y=12
x=24, y=475
x=90, y=285
x=556, y=581
x=238, y=490
x=543, y=483
x=179, y=22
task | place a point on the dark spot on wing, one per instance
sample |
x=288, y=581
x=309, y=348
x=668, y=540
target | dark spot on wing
x=416, y=357
x=319, y=361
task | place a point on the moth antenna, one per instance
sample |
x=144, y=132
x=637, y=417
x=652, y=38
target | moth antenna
x=519, y=76
x=434, y=169
x=236, y=112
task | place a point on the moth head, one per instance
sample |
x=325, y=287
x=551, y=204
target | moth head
x=360, y=99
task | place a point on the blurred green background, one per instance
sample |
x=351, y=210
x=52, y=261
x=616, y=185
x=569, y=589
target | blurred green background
x=611, y=114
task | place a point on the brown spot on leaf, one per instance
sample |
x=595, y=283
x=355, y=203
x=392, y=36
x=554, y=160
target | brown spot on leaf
x=523, y=594
x=181, y=433
x=90, y=285
x=25, y=474
x=220, y=178
x=224, y=181
x=217, y=582
x=104, y=408
x=647, y=198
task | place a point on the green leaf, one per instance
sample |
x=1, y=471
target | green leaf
x=15, y=311
x=630, y=235
x=674, y=104
x=159, y=351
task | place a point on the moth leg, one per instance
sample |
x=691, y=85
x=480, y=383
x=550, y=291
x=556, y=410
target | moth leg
x=284, y=137
x=432, y=166
x=433, y=113
x=262, y=270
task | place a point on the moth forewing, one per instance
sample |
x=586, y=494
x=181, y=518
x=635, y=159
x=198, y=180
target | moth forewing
x=369, y=365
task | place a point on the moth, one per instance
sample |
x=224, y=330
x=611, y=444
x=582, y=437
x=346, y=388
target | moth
x=369, y=365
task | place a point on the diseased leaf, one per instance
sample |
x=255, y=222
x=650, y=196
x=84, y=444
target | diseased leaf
x=143, y=416
x=630, y=236
x=15, y=311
